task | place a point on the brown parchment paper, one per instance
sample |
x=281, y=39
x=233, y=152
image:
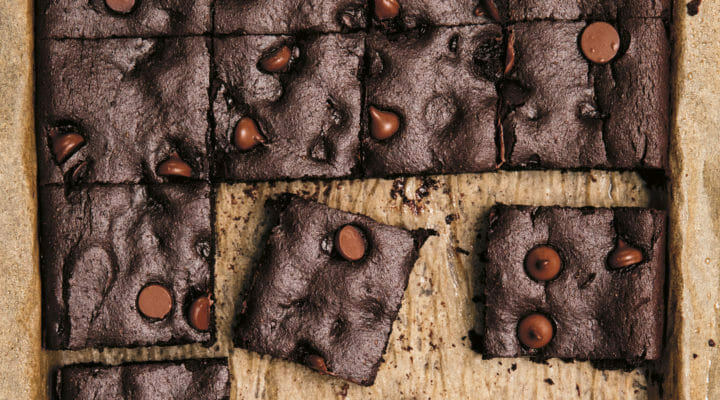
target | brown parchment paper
x=430, y=351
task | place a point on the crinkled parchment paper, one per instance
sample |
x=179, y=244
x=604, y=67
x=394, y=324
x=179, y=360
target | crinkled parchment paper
x=430, y=354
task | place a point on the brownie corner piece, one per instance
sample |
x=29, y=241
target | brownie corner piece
x=126, y=266
x=581, y=115
x=287, y=107
x=93, y=19
x=431, y=101
x=290, y=16
x=575, y=283
x=328, y=289
x=203, y=379
x=122, y=110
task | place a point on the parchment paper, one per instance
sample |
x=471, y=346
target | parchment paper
x=430, y=353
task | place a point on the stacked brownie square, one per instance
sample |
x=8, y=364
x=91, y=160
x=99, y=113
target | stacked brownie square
x=143, y=107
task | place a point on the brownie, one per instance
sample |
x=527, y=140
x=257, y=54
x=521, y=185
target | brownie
x=574, y=10
x=308, y=114
x=605, y=301
x=414, y=14
x=290, y=16
x=328, y=289
x=130, y=104
x=98, y=19
x=440, y=83
x=561, y=110
x=192, y=379
x=102, y=246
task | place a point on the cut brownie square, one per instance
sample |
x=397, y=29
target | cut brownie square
x=290, y=16
x=395, y=15
x=126, y=265
x=573, y=10
x=287, y=107
x=431, y=101
x=80, y=19
x=182, y=380
x=122, y=110
x=328, y=289
x=563, y=111
x=575, y=283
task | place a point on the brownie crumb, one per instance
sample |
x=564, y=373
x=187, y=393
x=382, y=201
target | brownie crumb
x=513, y=367
x=549, y=381
x=450, y=218
x=693, y=7
x=695, y=356
x=462, y=251
x=711, y=343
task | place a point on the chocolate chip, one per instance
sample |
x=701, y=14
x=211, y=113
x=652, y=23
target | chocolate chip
x=383, y=124
x=199, y=313
x=543, y=263
x=535, y=331
x=277, y=61
x=624, y=256
x=600, y=42
x=350, y=243
x=247, y=135
x=489, y=8
x=175, y=166
x=317, y=363
x=386, y=9
x=154, y=301
x=65, y=145
x=120, y=6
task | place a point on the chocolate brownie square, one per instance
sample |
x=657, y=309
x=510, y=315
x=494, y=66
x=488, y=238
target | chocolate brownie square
x=395, y=15
x=290, y=16
x=431, y=101
x=182, y=380
x=126, y=265
x=122, y=110
x=562, y=110
x=575, y=283
x=287, y=107
x=328, y=289
x=573, y=10
x=81, y=19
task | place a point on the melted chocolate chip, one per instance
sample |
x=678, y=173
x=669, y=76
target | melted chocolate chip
x=64, y=146
x=383, y=124
x=386, y=9
x=154, y=301
x=624, y=256
x=350, y=243
x=543, y=263
x=247, y=135
x=600, y=42
x=535, y=331
x=175, y=166
x=199, y=313
x=120, y=6
x=277, y=61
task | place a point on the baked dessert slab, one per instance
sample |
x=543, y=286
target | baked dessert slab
x=302, y=98
x=309, y=303
x=563, y=111
x=574, y=10
x=440, y=85
x=133, y=102
x=289, y=16
x=102, y=247
x=63, y=19
x=207, y=379
x=605, y=303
